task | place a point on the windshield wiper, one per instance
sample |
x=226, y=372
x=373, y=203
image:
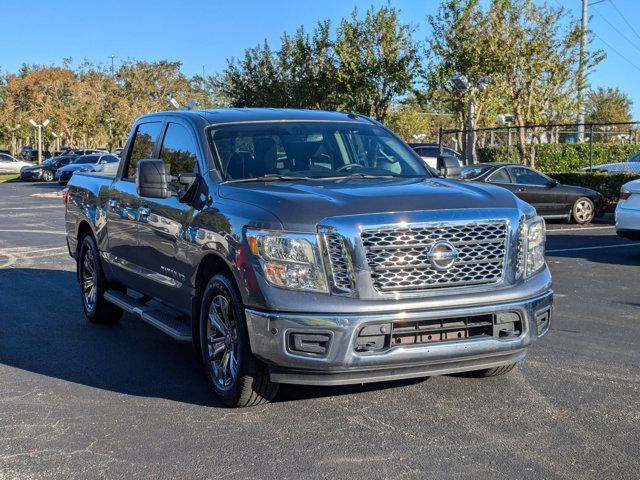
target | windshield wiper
x=356, y=175
x=271, y=177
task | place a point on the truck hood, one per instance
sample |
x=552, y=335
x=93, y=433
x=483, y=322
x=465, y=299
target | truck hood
x=300, y=206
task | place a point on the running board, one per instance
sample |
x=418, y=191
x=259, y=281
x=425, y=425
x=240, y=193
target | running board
x=162, y=320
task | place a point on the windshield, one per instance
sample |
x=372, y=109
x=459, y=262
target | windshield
x=474, y=171
x=312, y=150
x=87, y=159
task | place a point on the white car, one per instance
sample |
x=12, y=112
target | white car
x=628, y=211
x=9, y=164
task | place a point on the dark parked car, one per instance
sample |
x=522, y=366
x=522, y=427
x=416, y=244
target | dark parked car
x=83, y=162
x=550, y=198
x=46, y=171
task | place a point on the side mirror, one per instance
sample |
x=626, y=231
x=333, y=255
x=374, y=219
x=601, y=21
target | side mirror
x=152, y=180
x=553, y=183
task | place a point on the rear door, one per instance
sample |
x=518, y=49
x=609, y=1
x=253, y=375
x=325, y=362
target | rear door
x=163, y=221
x=123, y=205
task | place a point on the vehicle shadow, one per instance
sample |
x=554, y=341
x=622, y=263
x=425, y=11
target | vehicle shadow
x=43, y=330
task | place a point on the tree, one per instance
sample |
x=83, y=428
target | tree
x=377, y=61
x=529, y=51
x=300, y=75
x=608, y=105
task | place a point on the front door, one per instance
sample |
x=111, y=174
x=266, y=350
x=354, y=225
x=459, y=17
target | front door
x=165, y=221
x=538, y=190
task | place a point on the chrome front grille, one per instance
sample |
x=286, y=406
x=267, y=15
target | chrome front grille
x=339, y=261
x=398, y=258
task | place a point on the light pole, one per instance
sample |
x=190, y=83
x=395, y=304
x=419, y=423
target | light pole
x=57, y=137
x=13, y=138
x=462, y=84
x=507, y=118
x=39, y=126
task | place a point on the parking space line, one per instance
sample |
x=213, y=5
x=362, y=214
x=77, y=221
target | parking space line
x=549, y=230
x=51, y=232
x=600, y=247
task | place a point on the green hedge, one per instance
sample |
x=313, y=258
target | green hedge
x=563, y=157
x=608, y=184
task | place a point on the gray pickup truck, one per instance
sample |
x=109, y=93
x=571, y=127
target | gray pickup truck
x=308, y=248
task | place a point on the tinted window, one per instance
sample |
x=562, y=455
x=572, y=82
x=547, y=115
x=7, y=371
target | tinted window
x=5, y=158
x=428, y=151
x=526, y=176
x=474, y=171
x=312, y=149
x=143, y=145
x=109, y=159
x=499, y=176
x=178, y=150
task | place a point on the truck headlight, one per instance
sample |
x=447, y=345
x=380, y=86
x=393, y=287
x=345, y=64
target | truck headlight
x=289, y=260
x=534, y=237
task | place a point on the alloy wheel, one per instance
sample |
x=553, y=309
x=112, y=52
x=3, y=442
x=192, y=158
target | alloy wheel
x=222, y=342
x=89, y=279
x=584, y=211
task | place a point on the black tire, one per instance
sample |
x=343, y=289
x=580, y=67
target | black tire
x=250, y=385
x=583, y=211
x=490, y=372
x=47, y=176
x=98, y=310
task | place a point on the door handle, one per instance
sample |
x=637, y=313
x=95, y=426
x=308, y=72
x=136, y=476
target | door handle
x=144, y=211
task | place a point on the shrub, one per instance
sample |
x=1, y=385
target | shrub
x=608, y=184
x=563, y=157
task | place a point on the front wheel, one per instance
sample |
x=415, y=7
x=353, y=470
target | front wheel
x=47, y=176
x=583, y=211
x=490, y=372
x=237, y=377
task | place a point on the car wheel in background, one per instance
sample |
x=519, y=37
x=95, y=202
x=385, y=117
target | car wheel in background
x=93, y=284
x=583, y=211
x=237, y=377
x=47, y=176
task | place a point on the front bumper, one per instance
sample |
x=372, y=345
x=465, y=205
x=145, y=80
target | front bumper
x=270, y=338
x=31, y=175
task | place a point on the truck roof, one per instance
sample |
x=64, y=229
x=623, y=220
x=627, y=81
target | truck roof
x=242, y=115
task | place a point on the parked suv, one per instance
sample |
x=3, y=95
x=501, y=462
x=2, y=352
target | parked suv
x=306, y=247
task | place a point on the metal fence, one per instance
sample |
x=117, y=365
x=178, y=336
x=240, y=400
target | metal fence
x=510, y=137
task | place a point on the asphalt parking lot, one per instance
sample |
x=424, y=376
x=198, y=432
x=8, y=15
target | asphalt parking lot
x=84, y=401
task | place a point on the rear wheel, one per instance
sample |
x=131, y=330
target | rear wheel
x=237, y=377
x=93, y=285
x=490, y=372
x=583, y=211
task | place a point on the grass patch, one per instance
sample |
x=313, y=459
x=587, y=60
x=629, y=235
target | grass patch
x=9, y=177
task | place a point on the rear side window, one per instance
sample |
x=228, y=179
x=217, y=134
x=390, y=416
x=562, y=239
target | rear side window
x=143, y=145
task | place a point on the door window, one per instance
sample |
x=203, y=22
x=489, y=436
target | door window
x=526, y=176
x=143, y=145
x=499, y=176
x=178, y=151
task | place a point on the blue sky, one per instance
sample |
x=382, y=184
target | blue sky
x=207, y=32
